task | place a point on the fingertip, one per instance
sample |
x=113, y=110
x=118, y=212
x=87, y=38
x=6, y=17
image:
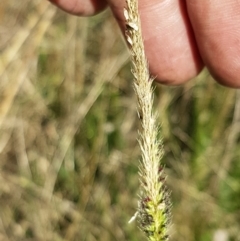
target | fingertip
x=223, y=57
x=226, y=75
x=216, y=27
x=173, y=67
x=179, y=74
x=80, y=7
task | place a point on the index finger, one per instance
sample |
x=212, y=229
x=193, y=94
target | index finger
x=169, y=41
x=216, y=25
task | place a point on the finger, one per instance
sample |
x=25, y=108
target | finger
x=168, y=38
x=216, y=25
x=81, y=7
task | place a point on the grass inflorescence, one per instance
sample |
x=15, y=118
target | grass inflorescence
x=154, y=205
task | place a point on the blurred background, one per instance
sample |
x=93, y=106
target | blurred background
x=68, y=128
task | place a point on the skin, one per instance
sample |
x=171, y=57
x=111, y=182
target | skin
x=181, y=36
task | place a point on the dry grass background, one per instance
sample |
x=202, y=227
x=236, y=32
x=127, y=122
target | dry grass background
x=68, y=150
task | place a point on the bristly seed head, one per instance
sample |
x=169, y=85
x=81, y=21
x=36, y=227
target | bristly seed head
x=125, y=13
x=131, y=25
x=129, y=40
x=154, y=206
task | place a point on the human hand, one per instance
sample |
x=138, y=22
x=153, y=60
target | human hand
x=181, y=36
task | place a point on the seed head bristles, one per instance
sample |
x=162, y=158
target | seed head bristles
x=154, y=203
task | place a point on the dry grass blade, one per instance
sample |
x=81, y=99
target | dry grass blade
x=17, y=42
x=21, y=66
x=109, y=68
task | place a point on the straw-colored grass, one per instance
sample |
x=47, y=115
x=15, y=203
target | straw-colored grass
x=154, y=205
x=68, y=130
